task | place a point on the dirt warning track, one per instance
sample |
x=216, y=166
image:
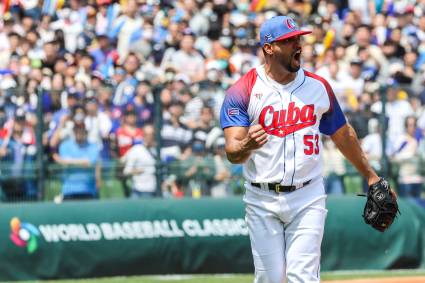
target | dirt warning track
x=408, y=279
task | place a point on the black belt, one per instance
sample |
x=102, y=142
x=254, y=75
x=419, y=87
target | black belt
x=278, y=188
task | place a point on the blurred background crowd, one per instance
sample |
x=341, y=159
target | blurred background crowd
x=88, y=86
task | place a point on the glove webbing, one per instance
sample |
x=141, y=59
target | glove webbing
x=384, y=211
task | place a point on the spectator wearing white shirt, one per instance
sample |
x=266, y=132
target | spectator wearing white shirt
x=126, y=27
x=363, y=39
x=223, y=170
x=334, y=169
x=105, y=7
x=406, y=156
x=353, y=81
x=5, y=28
x=98, y=123
x=372, y=144
x=243, y=55
x=397, y=111
x=139, y=163
x=187, y=56
x=192, y=106
x=421, y=28
x=46, y=32
x=71, y=21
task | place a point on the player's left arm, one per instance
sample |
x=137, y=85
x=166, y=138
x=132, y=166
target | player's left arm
x=346, y=141
x=334, y=124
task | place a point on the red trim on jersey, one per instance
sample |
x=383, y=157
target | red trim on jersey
x=328, y=87
x=246, y=83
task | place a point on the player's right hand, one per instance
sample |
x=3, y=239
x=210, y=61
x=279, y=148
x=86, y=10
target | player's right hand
x=256, y=137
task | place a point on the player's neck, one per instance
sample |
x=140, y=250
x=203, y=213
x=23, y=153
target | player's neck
x=279, y=74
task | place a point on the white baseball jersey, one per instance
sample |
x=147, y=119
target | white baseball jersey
x=294, y=115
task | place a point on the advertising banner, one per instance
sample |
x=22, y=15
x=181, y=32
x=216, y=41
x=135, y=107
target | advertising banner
x=125, y=237
x=165, y=236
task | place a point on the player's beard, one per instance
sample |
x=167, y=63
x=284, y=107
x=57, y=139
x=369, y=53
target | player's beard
x=290, y=63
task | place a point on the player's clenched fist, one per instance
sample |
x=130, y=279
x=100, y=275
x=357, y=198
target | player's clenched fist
x=256, y=137
x=241, y=142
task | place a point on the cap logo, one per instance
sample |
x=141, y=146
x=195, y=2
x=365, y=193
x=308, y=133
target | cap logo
x=268, y=37
x=290, y=23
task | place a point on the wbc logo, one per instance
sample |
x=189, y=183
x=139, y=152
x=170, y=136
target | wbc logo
x=283, y=122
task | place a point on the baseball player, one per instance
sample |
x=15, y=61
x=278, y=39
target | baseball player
x=273, y=118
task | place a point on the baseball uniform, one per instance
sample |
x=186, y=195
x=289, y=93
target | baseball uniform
x=286, y=228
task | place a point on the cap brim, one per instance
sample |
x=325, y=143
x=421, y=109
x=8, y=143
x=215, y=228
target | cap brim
x=292, y=34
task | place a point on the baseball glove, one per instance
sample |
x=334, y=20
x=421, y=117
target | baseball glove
x=381, y=206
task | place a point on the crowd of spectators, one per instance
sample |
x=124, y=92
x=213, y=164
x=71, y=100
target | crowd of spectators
x=97, y=68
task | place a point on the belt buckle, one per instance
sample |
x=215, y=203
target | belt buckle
x=276, y=188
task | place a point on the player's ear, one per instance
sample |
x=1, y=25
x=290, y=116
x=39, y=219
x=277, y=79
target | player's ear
x=268, y=49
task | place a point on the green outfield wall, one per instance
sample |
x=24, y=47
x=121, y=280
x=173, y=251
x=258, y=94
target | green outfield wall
x=129, y=237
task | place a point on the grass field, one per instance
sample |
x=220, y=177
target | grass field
x=233, y=278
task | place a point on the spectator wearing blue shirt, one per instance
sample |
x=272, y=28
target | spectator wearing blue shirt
x=80, y=158
x=71, y=101
x=104, y=55
x=143, y=104
x=126, y=89
x=17, y=159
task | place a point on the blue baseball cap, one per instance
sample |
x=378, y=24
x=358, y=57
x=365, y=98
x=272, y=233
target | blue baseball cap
x=279, y=28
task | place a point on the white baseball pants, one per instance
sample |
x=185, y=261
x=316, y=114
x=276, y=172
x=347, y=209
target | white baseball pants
x=286, y=232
